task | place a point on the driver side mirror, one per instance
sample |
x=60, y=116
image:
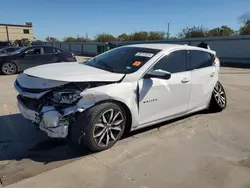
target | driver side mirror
x=159, y=73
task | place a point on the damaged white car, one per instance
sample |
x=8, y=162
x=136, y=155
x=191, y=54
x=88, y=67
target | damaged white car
x=127, y=88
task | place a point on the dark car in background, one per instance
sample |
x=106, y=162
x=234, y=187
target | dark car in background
x=26, y=57
x=8, y=49
x=4, y=44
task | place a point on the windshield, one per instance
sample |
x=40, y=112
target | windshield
x=123, y=60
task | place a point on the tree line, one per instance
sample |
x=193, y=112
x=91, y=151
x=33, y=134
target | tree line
x=188, y=32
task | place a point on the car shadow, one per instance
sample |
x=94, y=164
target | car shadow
x=20, y=139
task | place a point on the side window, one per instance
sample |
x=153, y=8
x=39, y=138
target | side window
x=33, y=51
x=200, y=59
x=10, y=49
x=57, y=50
x=174, y=62
x=48, y=50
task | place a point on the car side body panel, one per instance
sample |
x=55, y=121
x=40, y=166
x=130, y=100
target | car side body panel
x=203, y=82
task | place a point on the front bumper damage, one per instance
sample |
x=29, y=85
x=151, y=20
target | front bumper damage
x=55, y=123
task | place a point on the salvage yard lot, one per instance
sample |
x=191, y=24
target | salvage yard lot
x=212, y=150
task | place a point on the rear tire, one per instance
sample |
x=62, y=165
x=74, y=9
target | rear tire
x=9, y=68
x=219, y=99
x=99, y=127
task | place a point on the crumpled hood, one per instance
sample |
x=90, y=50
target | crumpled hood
x=72, y=72
x=30, y=82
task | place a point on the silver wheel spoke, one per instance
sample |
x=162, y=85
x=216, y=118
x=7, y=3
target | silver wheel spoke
x=116, y=128
x=111, y=115
x=100, y=133
x=219, y=101
x=101, y=138
x=99, y=125
x=107, y=139
x=116, y=116
x=118, y=122
x=216, y=94
x=112, y=135
x=104, y=118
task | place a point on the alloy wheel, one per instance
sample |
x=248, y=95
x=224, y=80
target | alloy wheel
x=9, y=68
x=219, y=95
x=108, y=128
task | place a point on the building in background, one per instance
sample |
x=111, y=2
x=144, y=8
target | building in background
x=12, y=32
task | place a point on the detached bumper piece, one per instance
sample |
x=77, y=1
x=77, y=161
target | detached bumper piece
x=50, y=120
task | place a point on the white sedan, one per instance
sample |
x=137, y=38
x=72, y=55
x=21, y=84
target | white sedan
x=127, y=88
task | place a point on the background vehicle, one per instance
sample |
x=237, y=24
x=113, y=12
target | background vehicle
x=31, y=56
x=5, y=44
x=130, y=87
x=8, y=49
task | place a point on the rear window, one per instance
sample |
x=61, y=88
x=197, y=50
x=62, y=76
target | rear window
x=200, y=59
x=123, y=60
x=48, y=50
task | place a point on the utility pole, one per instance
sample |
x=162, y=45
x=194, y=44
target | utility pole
x=7, y=33
x=168, y=30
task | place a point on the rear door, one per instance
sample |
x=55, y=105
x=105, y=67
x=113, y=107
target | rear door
x=160, y=98
x=50, y=55
x=204, y=76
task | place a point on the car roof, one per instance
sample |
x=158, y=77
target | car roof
x=170, y=47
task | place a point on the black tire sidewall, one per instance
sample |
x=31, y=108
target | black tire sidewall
x=85, y=124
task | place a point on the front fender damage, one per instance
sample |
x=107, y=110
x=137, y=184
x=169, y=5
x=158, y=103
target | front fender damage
x=56, y=122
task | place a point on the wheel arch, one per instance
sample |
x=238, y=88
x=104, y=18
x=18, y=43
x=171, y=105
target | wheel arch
x=125, y=108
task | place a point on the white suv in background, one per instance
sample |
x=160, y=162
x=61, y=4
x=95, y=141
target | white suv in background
x=126, y=88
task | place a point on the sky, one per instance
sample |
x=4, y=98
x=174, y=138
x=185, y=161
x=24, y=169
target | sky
x=62, y=18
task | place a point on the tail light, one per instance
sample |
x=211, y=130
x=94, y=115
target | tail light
x=217, y=61
x=73, y=55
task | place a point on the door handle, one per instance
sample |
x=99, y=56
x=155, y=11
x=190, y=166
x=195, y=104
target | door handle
x=212, y=75
x=185, y=80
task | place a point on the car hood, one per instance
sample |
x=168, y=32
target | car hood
x=6, y=54
x=72, y=72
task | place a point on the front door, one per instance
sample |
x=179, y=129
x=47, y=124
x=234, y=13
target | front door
x=204, y=76
x=160, y=98
x=30, y=58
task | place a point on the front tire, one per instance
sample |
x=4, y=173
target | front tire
x=9, y=68
x=99, y=127
x=219, y=99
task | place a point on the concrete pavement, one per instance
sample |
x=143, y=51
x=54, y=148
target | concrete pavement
x=202, y=150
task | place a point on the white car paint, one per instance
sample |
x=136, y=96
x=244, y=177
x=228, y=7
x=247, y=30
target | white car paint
x=72, y=72
x=203, y=82
x=183, y=93
x=171, y=97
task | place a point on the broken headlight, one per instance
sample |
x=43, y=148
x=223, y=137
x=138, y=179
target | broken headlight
x=65, y=96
